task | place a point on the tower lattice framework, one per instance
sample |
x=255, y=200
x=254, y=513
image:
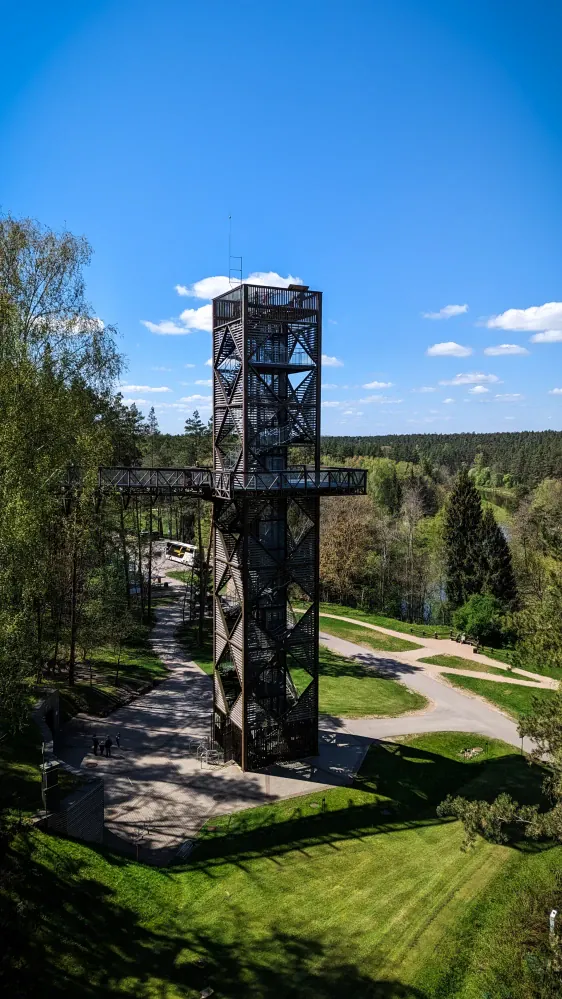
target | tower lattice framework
x=266, y=396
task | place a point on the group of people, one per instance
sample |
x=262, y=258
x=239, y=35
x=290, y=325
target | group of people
x=104, y=745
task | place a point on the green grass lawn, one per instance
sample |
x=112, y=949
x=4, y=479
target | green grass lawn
x=20, y=777
x=100, y=686
x=514, y=699
x=506, y=655
x=350, y=690
x=184, y=575
x=364, y=636
x=457, y=662
x=419, y=630
x=188, y=638
x=367, y=895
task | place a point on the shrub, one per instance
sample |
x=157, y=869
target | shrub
x=481, y=617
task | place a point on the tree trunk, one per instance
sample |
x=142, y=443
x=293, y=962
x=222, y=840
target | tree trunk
x=123, y=538
x=73, y=614
x=149, y=586
x=202, y=576
x=39, y=622
x=118, y=662
x=139, y=542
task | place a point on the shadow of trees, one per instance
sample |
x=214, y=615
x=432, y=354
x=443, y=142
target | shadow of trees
x=362, y=666
x=66, y=933
x=84, y=921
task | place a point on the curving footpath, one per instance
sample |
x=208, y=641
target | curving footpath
x=449, y=710
x=157, y=793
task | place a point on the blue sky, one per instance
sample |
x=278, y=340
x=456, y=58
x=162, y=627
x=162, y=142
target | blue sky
x=403, y=157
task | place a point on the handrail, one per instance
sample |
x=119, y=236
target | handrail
x=205, y=481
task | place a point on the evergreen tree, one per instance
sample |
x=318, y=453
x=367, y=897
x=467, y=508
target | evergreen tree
x=153, y=431
x=197, y=438
x=463, y=541
x=498, y=575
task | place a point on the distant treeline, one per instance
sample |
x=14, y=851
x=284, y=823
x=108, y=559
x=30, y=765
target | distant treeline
x=528, y=455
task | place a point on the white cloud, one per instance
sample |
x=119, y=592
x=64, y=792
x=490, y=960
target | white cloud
x=171, y=405
x=448, y=349
x=478, y=389
x=198, y=319
x=376, y=399
x=537, y=317
x=508, y=397
x=168, y=327
x=196, y=398
x=189, y=365
x=503, y=349
x=208, y=363
x=509, y=417
x=329, y=385
x=188, y=321
x=204, y=381
x=181, y=406
x=77, y=326
x=144, y=388
x=330, y=404
x=160, y=369
x=137, y=402
x=425, y=388
x=331, y=362
x=471, y=378
x=446, y=401
x=210, y=287
x=377, y=385
x=556, y=391
x=547, y=336
x=447, y=312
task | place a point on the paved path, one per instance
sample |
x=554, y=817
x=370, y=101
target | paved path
x=448, y=647
x=158, y=793
x=156, y=790
x=449, y=709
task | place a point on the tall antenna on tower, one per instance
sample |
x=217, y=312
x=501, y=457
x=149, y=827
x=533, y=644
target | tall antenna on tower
x=234, y=268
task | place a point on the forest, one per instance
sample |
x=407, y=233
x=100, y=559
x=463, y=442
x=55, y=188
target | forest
x=526, y=457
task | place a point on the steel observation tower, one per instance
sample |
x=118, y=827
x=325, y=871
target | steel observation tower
x=265, y=486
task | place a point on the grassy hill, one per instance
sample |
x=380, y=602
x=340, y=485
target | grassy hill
x=360, y=892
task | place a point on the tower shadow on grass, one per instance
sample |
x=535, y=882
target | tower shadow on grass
x=397, y=788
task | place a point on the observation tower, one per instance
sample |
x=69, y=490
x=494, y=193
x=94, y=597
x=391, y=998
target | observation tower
x=266, y=437
x=265, y=487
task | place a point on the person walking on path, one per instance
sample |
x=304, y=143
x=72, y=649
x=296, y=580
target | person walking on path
x=108, y=745
x=118, y=740
x=95, y=744
x=102, y=746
